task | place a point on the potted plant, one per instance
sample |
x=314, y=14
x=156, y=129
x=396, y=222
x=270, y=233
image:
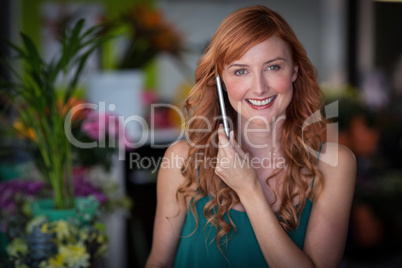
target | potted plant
x=142, y=33
x=41, y=100
x=147, y=34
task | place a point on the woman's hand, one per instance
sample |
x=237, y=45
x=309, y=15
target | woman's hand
x=234, y=166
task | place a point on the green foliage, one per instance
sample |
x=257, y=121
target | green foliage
x=34, y=94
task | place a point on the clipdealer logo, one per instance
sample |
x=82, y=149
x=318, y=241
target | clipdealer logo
x=147, y=133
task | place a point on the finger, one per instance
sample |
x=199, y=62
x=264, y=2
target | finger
x=227, y=148
x=221, y=153
x=222, y=139
x=224, y=158
x=235, y=145
x=219, y=168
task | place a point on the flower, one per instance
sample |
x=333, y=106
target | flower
x=56, y=262
x=24, y=131
x=159, y=117
x=17, y=246
x=17, y=194
x=101, y=129
x=149, y=34
x=75, y=255
x=14, y=195
x=61, y=243
x=98, y=125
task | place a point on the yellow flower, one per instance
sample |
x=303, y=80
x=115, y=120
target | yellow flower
x=45, y=228
x=24, y=131
x=17, y=246
x=63, y=229
x=75, y=255
x=70, y=241
x=57, y=261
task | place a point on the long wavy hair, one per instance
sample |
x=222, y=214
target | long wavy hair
x=239, y=32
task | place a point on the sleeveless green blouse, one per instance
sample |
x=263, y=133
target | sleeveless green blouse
x=199, y=249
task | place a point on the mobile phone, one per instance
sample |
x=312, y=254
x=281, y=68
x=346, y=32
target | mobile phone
x=222, y=105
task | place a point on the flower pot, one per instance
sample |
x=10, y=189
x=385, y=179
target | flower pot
x=84, y=211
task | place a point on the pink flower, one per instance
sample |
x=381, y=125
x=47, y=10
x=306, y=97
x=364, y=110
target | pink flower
x=149, y=97
x=100, y=125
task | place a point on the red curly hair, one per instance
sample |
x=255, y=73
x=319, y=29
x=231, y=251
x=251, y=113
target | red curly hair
x=239, y=32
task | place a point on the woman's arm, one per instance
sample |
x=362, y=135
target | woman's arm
x=329, y=219
x=168, y=223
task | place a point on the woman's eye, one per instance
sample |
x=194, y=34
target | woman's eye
x=273, y=68
x=240, y=72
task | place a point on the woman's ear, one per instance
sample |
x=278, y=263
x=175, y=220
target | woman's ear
x=295, y=73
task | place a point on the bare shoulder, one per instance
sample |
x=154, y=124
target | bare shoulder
x=170, y=176
x=175, y=157
x=338, y=164
x=178, y=149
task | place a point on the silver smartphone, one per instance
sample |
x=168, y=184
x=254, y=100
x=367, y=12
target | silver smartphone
x=222, y=105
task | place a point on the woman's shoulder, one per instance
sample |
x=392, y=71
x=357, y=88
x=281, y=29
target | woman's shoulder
x=338, y=164
x=336, y=155
x=175, y=157
x=170, y=175
x=178, y=149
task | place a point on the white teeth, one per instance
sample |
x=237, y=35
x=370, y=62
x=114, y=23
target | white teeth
x=261, y=103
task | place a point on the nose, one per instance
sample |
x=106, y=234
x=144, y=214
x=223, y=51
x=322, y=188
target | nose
x=260, y=85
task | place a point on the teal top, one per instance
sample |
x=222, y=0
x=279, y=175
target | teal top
x=199, y=249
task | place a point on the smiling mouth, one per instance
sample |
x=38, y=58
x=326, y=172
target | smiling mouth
x=261, y=102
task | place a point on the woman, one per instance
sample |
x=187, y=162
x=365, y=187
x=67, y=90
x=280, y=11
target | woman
x=262, y=197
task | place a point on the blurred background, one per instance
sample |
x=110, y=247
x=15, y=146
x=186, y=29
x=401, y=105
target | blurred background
x=356, y=47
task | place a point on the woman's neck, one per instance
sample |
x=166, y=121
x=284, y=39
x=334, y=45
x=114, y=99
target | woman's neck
x=261, y=140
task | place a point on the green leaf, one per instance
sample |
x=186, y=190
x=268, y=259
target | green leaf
x=21, y=52
x=81, y=63
x=33, y=57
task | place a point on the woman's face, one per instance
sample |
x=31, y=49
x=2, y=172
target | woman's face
x=259, y=84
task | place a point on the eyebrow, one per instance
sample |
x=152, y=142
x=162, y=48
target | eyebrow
x=245, y=65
